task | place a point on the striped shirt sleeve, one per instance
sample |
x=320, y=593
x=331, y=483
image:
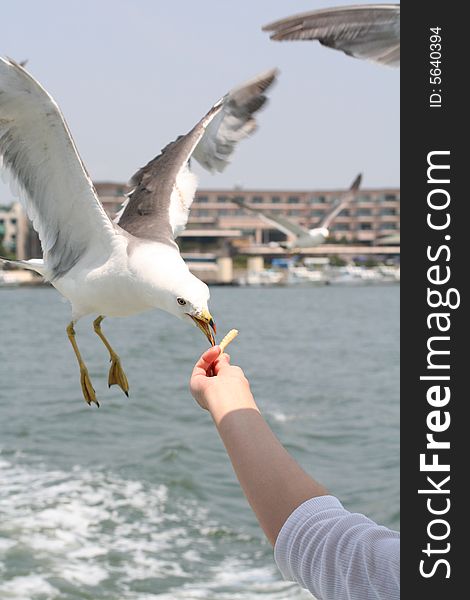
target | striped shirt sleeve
x=338, y=555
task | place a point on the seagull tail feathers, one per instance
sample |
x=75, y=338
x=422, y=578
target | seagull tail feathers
x=34, y=264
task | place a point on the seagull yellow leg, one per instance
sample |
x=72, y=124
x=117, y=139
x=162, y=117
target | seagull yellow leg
x=116, y=373
x=87, y=388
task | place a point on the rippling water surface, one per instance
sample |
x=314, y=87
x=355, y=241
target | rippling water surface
x=137, y=499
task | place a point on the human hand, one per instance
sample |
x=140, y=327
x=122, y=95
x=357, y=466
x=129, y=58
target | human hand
x=214, y=379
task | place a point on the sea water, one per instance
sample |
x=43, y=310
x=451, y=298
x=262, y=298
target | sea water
x=137, y=499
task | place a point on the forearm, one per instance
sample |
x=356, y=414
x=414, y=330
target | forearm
x=274, y=484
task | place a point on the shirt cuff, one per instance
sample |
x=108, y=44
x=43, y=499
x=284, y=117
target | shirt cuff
x=314, y=506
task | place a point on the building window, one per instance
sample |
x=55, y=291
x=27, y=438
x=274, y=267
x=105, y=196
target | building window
x=388, y=225
x=257, y=199
x=317, y=213
x=293, y=200
x=389, y=197
x=363, y=212
x=221, y=199
x=202, y=199
x=275, y=199
x=363, y=198
x=387, y=212
x=340, y=227
x=365, y=226
x=318, y=200
x=293, y=213
x=13, y=221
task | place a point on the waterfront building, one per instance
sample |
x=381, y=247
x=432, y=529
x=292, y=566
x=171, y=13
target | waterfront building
x=373, y=215
x=218, y=225
x=13, y=229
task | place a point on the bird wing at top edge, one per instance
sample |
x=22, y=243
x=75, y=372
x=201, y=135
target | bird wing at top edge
x=369, y=31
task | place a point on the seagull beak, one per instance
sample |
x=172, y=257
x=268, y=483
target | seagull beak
x=204, y=322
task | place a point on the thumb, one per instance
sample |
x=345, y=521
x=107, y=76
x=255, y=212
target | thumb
x=222, y=362
x=204, y=363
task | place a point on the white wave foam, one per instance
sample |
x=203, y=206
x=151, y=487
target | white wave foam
x=6, y=544
x=27, y=587
x=70, y=524
x=88, y=531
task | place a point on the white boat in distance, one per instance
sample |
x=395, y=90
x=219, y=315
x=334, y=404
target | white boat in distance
x=356, y=275
x=264, y=277
x=308, y=276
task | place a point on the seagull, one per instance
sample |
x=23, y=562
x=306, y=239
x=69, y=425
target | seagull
x=305, y=238
x=132, y=264
x=367, y=31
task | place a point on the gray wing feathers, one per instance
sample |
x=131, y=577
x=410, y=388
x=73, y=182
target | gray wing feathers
x=286, y=225
x=234, y=122
x=210, y=142
x=290, y=227
x=343, y=203
x=37, y=150
x=147, y=211
x=370, y=32
x=280, y=222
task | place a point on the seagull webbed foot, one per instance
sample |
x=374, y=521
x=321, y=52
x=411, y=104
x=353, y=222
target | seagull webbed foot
x=117, y=375
x=87, y=388
x=85, y=381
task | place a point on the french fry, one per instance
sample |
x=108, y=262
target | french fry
x=231, y=335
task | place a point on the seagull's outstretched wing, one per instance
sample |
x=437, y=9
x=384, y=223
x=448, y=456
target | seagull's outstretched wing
x=38, y=152
x=290, y=227
x=234, y=122
x=343, y=203
x=278, y=221
x=158, y=206
x=369, y=31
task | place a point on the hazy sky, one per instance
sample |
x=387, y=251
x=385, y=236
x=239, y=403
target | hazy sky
x=130, y=76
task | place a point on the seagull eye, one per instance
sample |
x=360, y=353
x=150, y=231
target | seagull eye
x=181, y=301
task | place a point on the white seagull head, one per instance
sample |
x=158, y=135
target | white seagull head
x=189, y=301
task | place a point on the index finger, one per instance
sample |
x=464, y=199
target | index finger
x=206, y=361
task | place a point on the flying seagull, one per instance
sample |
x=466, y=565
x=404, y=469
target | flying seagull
x=305, y=238
x=131, y=265
x=367, y=31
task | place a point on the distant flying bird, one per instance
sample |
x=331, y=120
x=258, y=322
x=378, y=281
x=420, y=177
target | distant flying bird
x=133, y=264
x=368, y=31
x=305, y=238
